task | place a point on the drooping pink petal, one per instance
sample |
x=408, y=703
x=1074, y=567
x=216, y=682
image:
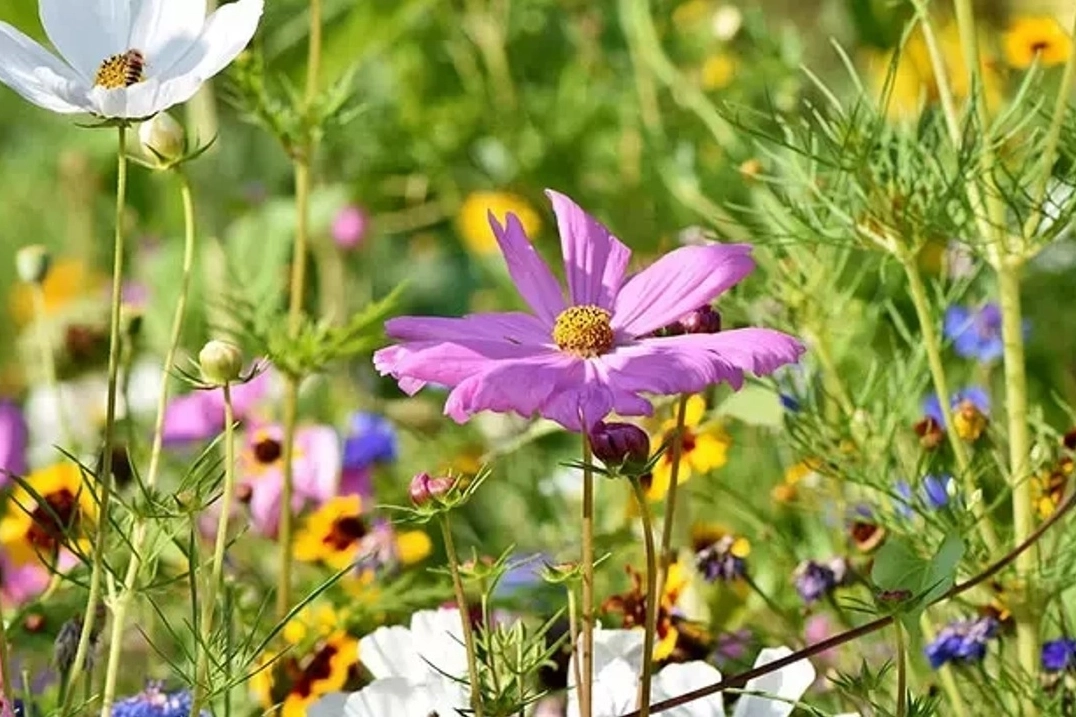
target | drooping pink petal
x=536, y=283
x=665, y=367
x=317, y=465
x=677, y=283
x=447, y=363
x=594, y=260
x=519, y=386
x=509, y=327
x=760, y=351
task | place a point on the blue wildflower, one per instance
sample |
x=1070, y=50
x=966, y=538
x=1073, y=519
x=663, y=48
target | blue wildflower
x=975, y=333
x=372, y=439
x=962, y=641
x=725, y=559
x=936, y=490
x=904, y=498
x=974, y=395
x=1058, y=655
x=816, y=580
x=154, y=701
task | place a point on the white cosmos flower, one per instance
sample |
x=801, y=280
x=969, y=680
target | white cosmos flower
x=417, y=671
x=618, y=663
x=127, y=59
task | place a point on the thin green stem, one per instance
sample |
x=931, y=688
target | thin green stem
x=313, y=55
x=670, y=498
x=216, y=575
x=902, y=671
x=932, y=346
x=291, y=417
x=573, y=631
x=141, y=528
x=653, y=598
x=461, y=603
x=7, y=680
x=586, y=684
x=104, y=480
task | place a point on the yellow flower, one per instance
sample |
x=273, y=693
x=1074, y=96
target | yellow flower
x=67, y=281
x=473, y=220
x=1037, y=36
x=692, y=14
x=633, y=606
x=717, y=71
x=31, y=530
x=332, y=533
x=1049, y=487
x=703, y=449
x=311, y=624
x=294, y=683
x=412, y=546
x=787, y=491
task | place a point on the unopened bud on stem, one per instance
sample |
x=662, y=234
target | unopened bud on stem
x=221, y=362
x=425, y=488
x=163, y=138
x=620, y=445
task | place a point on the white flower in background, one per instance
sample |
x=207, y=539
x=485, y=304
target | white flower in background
x=127, y=59
x=618, y=663
x=417, y=671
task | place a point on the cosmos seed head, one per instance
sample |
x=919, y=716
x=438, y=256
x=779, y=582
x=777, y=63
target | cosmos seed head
x=585, y=331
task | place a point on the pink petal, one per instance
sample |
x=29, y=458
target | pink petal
x=509, y=327
x=317, y=467
x=446, y=363
x=536, y=283
x=594, y=260
x=188, y=419
x=760, y=351
x=678, y=283
x=519, y=386
x=265, y=499
x=587, y=397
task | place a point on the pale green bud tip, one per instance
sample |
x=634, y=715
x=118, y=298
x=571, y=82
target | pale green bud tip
x=221, y=362
x=163, y=138
x=32, y=263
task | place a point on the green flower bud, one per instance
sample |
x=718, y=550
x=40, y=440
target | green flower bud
x=32, y=263
x=163, y=139
x=221, y=362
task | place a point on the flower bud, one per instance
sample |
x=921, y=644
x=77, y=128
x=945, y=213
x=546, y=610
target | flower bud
x=32, y=263
x=349, y=227
x=425, y=488
x=703, y=320
x=221, y=362
x=163, y=138
x=620, y=444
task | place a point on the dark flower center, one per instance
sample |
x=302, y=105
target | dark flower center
x=268, y=451
x=123, y=70
x=53, y=520
x=585, y=331
x=320, y=668
x=687, y=443
x=345, y=532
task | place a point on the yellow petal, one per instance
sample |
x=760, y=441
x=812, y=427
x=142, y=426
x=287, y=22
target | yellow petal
x=696, y=410
x=413, y=546
x=710, y=452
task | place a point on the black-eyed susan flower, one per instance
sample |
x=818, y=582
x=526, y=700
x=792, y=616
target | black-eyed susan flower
x=805, y=471
x=33, y=529
x=339, y=534
x=472, y=222
x=632, y=606
x=294, y=680
x=703, y=448
x=1036, y=37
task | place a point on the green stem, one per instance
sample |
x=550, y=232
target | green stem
x=677, y=448
x=8, y=690
x=586, y=684
x=461, y=603
x=902, y=671
x=653, y=598
x=932, y=346
x=201, y=680
x=573, y=631
x=123, y=603
x=291, y=416
x=105, y=478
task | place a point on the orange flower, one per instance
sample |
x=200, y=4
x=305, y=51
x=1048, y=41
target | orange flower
x=1039, y=37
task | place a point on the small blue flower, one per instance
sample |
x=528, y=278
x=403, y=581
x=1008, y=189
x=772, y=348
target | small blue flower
x=372, y=439
x=975, y=333
x=155, y=702
x=816, y=580
x=523, y=574
x=902, y=501
x=962, y=641
x=1058, y=655
x=975, y=394
x=936, y=491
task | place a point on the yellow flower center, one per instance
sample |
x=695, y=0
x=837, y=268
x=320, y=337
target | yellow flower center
x=584, y=331
x=121, y=70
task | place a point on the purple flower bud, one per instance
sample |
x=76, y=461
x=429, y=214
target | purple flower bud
x=349, y=227
x=703, y=320
x=620, y=444
x=425, y=488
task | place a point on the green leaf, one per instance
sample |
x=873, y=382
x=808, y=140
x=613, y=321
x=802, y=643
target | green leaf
x=898, y=568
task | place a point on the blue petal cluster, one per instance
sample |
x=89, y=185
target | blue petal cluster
x=815, y=580
x=962, y=641
x=716, y=562
x=1058, y=655
x=372, y=439
x=154, y=701
x=975, y=333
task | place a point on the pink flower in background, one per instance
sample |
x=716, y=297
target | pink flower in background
x=575, y=360
x=21, y=582
x=316, y=470
x=349, y=227
x=14, y=440
x=199, y=416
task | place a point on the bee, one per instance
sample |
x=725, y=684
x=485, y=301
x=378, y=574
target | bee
x=135, y=64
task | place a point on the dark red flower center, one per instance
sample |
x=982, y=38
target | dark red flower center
x=53, y=520
x=268, y=451
x=687, y=443
x=345, y=532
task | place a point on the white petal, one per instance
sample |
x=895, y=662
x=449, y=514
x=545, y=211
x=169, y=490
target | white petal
x=164, y=30
x=390, y=652
x=615, y=691
x=331, y=705
x=438, y=638
x=226, y=33
x=34, y=72
x=86, y=32
x=623, y=645
x=392, y=696
x=679, y=679
x=788, y=683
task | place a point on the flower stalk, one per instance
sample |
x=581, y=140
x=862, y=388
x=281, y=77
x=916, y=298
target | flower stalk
x=461, y=603
x=653, y=597
x=105, y=477
x=902, y=670
x=586, y=683
x=140, y=532
x=670, y=499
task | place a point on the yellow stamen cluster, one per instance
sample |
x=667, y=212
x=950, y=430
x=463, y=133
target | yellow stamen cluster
x=121, y=70
x=585, y=331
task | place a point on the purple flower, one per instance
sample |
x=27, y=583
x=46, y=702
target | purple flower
x=961, y=641
x=349, y=227
x=21, y=582
x=14, y=439
x=155, y=702
x=902, y=501
x=575, y=360
x=199, y=416
x=977, y=396
x=372, y=439
x=936, y=490
x=724, y=560
x=732, y=646
x=975, y=333
x=1058, y=655
x=816, y=580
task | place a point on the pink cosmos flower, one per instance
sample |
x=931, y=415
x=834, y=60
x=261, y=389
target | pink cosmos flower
x=21, y=582
x=574, y=360
x=199, y=416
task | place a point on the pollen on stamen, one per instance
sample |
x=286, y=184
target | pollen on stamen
x=585, y=331
x=122, y=70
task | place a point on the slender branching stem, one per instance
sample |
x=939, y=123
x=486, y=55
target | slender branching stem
x=586, y=682
x=7, y=681
x=677, y=450
x=902, y=671
x=140, y=532
x=291, y=418
x=653, y=597
x=216, y=575
x=573, y=632
x=465, y=615
x=104, y=478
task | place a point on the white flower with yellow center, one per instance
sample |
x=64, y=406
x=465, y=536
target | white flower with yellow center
x=124, y=59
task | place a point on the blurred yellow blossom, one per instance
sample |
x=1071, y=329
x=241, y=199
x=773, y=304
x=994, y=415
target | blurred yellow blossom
x=67, y=281
x=293, y=681
x=703, y=449
x=717, y=71
x=1038, y=36
x=473, y=220
x=33, y=529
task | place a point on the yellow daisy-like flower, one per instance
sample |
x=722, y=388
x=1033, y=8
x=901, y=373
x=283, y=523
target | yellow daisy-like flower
x=717, y=71
x=633, y=606
x=293, y=684
x=67, y=281
x=332, y=534
x=1049, y=486
x=473, y=219
x=703, y=449
x=31, y=529
x=1039, y=37
x=788, y=490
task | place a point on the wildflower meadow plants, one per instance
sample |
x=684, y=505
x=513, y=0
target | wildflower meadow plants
x=536, y=358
